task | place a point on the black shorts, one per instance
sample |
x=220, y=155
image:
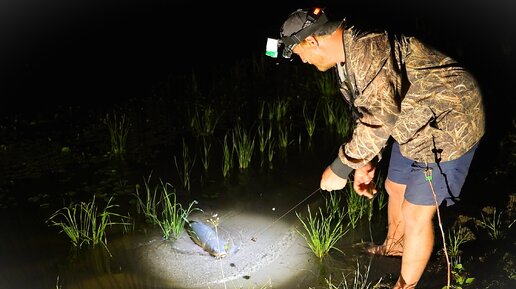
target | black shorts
x=447, y=177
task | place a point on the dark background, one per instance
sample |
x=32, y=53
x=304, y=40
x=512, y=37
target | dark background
x=96, y=52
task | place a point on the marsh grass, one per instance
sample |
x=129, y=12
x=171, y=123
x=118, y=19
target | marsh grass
x=325, y=82
x=328, y=114
x=204, y=120
x=118, y=130
x=261, y=110
x=493, y=223
x=357, y=206
x=336, y=116
x=243, y=143
x=323, y=229
x=205, y=153
x=160, y=207
x=456, y=237
x=343, y=123
x=278, y=110
x=333, y=203
x=283, y=136
x=310, y=122
x=58, y=285
x=264, y=138
x=85, y=223
x=360, y=280
x=185, y=170
x=227, y=157
x=148, y=204
x=271, y=151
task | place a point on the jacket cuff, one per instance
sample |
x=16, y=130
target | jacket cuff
x=340, y=169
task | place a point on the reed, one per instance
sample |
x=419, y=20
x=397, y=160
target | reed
x=186, y=168
x=360, y=280
x=279, y=110
x=204, y=120
x=456, y=237
x=118, y=130
x=329, y=115
x=271, y=150
x=264, y=138
x=58, y=285
x=325, y=82
x=85, y=223
x=174, y=216
x=205, y=153
x=261, y=110
x=323, y=229
x=243, y=144
x=333, y=203
x=148, y=204
x=283, y=138
x=227, y=160
x=493, y=223
x=357, y=206
x=310, y=122
x=271, y=112
x=343, y=123
x=161, y=208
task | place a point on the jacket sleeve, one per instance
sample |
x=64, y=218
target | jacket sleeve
x=377, y=78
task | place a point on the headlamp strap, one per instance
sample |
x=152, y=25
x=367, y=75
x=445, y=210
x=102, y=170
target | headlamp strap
x=314, y=19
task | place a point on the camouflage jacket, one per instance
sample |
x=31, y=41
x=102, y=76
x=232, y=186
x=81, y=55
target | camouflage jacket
x=401, y=88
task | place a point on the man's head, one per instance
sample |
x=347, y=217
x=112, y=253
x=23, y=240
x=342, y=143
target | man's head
x=299, y=25
x=307, y=33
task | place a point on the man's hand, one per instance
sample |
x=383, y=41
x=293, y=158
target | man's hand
x=363, y=182
x=331, y=182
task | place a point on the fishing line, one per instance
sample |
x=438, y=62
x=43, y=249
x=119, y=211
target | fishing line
x=275, y=221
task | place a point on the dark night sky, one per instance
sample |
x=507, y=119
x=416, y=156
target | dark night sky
x=92, y=50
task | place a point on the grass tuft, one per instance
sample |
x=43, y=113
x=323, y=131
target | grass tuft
x=185, y=170
x=161, y=208
x=243, y=143
x=85, y=223
x=118, y=131
x=324, y=228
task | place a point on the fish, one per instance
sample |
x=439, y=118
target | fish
x=207, y=238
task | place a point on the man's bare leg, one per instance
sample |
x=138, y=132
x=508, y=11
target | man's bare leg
x=418, y=242
x=392, y=246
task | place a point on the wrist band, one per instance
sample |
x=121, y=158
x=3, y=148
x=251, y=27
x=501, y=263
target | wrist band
x=340, y=169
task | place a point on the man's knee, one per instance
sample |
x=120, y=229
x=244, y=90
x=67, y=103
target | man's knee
x=417, y=215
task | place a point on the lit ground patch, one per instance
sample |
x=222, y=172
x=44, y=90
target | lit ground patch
x=277, y=256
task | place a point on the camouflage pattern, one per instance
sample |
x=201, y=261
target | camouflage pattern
x=425, y=100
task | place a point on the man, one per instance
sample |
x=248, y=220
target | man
x=404, y=90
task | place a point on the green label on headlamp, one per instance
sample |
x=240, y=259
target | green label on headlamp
x=272, y=48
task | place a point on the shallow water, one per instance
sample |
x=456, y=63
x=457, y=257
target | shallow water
x=256, y=208
x=258, y=203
